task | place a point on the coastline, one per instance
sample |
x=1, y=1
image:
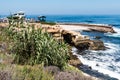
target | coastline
x=85, y=68
x=68, y=28
x=87, y=27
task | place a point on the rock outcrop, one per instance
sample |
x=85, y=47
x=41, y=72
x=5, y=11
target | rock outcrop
x=91, y=27
x=100, y=28
x=96, y=45
x=82, y=42
x=90, y=44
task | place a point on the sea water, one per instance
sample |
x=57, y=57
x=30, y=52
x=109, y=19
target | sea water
x=105, y=61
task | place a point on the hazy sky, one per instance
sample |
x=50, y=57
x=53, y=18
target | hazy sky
x=60, y=6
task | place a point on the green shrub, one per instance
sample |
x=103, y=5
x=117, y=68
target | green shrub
x=35, y=47
x=32, y=46
x=49, y=23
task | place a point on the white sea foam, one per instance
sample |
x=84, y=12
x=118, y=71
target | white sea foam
x=103, y=61
x=114, y=34
x=99, y=68
x=112, y=48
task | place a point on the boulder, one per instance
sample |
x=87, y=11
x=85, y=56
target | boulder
x=97, y=37
x=89, y=44
x=73, y=59
x=96, y=45
x=75, y=62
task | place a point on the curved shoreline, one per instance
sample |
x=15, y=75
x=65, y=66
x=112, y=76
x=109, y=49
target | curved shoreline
x=86, y=68
x=69, y=28
x=87, y=27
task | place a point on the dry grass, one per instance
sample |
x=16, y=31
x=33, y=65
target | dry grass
x=26, y=72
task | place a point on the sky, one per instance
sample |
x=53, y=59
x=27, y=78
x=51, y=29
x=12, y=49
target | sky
x=60, y=6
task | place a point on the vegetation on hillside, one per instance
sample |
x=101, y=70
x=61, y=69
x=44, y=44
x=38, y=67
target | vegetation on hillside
x=30, y=54
x=32, y=46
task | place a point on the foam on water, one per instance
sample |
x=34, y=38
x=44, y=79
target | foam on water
x=104, y=61
x=99, y=68
x=115, y=34
x=113, y=48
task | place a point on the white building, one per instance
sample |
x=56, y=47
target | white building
x=19, y=14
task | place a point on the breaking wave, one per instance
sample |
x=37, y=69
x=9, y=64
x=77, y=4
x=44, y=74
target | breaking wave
x=106, y=62
x=116, y=35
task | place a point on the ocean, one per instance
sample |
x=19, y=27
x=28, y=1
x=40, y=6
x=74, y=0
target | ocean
x=104, y=61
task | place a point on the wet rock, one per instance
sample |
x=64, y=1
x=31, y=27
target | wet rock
x=74, y=57
x=75, y=62
x=83, y=45
x=117, y=60
x=82, y=42
x=97, y=64
x=97, y=37
x=95, y=73
x=85, y=67
x=81, y=52
x=97, y=45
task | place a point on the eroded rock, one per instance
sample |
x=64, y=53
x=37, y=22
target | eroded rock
x=96, y=45
x=75, y=62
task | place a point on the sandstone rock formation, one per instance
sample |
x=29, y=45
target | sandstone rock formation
x=89, y=27
x=82, y=42
x=96, y=45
